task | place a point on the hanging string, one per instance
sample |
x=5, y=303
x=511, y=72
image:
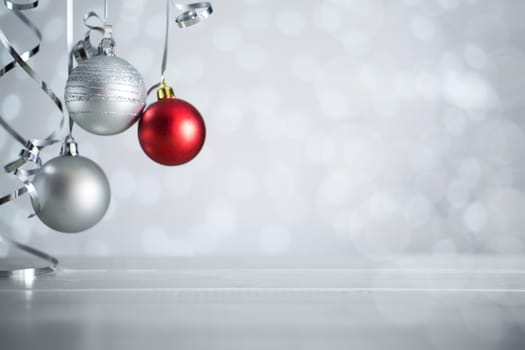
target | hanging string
x=31, y=147
x=191, y=15
x=69, y=25
x=69, y=48
x=166, y=40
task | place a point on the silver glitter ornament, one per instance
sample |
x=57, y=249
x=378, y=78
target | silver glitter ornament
x=105, y=95
x=72, y=192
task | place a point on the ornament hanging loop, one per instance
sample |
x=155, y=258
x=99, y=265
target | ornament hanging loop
x=107, y=44
x=69, y=148
x=84, y=49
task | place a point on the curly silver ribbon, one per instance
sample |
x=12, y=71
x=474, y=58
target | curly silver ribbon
x=192, y=14
x=84, y=49
x=30, y=152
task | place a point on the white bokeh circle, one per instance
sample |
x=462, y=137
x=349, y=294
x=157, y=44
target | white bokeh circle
x=290, y=22
x=227, y=38
x=274, y=239
x=54, y=29
x=221, y=217
x=11, y=106
x=251, y=57
x=475, y=216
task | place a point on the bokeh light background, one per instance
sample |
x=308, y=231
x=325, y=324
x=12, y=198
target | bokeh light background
x=335, y=128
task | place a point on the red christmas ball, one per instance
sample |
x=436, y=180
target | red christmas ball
x=171, y=131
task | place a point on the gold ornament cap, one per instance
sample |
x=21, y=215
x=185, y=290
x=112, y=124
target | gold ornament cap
x=165, y=91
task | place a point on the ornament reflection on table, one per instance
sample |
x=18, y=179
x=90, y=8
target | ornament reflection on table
x=104, y=95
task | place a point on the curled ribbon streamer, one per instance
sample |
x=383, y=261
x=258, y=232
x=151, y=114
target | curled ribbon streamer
x=32, y=147
x=32, y=271
x=84, y=49
x=192, y=14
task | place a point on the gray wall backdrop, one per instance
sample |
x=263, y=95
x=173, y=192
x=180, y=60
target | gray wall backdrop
x=335, y=128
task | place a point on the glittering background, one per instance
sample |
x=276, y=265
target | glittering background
x=334, y=128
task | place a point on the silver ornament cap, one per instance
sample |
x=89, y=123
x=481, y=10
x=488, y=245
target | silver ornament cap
x=72, y=192
x=105, y=95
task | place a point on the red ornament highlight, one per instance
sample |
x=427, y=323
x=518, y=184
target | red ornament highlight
x=171, y=131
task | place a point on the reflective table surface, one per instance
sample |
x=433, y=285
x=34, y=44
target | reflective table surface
x=416, y=302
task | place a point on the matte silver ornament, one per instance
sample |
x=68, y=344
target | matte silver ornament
x=105, y=95
x=72, y=193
